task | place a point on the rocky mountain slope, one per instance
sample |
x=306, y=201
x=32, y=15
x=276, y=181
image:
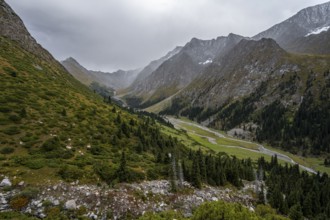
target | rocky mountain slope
x=309, y=20
x=237, y=74
x=152, y=66
x=116, y=80
x=178, y=71
x=254, y=77
x=12, y=27
x=312, y=44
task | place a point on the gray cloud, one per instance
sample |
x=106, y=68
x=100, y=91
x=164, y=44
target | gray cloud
x=111, y=34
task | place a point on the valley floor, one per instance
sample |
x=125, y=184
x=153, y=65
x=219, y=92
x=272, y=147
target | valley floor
x=220, y=142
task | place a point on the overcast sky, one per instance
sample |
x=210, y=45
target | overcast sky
x=126, y=34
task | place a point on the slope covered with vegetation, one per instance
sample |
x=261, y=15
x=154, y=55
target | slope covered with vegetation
x=51, y=122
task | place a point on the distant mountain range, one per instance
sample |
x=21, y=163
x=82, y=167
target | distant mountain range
x=116, y=80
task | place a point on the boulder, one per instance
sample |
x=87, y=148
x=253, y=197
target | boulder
x=71, y=204
x=5, y=182
x=21, y=183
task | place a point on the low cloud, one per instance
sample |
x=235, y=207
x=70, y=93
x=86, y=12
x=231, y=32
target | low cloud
x=109, y=34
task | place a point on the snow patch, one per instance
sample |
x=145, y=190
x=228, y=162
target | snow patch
x=318, y=30
x=205, y=62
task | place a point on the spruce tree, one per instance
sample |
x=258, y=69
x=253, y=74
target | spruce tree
x=295, y=212
x=195, y=174
x=23, y=113
x=122, y=172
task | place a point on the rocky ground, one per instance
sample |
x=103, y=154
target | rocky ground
x=103, y=202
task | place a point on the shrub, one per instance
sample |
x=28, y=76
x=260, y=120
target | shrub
x=97, y=150
x=162, y=216
x=15, y=215
x=12, y=130
x=15, y=118
x=70, y=173
x=135, y=176
x=7, y=150
x=152, y=174
x=230, y=211
x=105, y=171
x=18, y=203
x=35, y=164
x=51, y=144
x=5, y=109
x=29, y=192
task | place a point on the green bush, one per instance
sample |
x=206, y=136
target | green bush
x=105, y=171
x=5, y=109
x=15, y=216
x=152, y=174
x=15, y=118
x=18, y=203
x=35, y=164
x=54, y=163
x=70, y=173
x=12, y=130
x=97, y=150
x=51, y=144
x=53, y=149
x=29, y=192
x=7, y=150
x=135, y=176
x=222, y=210
x=162, y=216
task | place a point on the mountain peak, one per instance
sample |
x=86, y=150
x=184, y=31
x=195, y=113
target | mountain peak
x=232, y=35
x=265, y=49
x=260, y=45
x=70, y=59
x=12, y=27
x=302, y=23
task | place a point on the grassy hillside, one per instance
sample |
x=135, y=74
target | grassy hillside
x=53, y=127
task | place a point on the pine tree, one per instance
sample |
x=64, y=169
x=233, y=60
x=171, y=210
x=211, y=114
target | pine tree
x=122, y=172
x=201, y=164
x=118, y=119
x=195, y=174
x=23, y=113
x=295, y=212
x=63, y=112
x=173, y=175
x=139, y=148
x=276, y=198
x=261, y=195
x=180, y=174
x=307, y=205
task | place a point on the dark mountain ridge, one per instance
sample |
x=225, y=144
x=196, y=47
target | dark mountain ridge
x=178, y=71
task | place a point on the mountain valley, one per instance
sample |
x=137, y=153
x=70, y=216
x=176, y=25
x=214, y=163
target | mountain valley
x=230, y=128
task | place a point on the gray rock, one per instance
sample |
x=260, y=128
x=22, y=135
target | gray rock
x=5, y=182
x=21, y=183
x=92, y=215
x=56, y=202
x=42, y=215
x=71, y=204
